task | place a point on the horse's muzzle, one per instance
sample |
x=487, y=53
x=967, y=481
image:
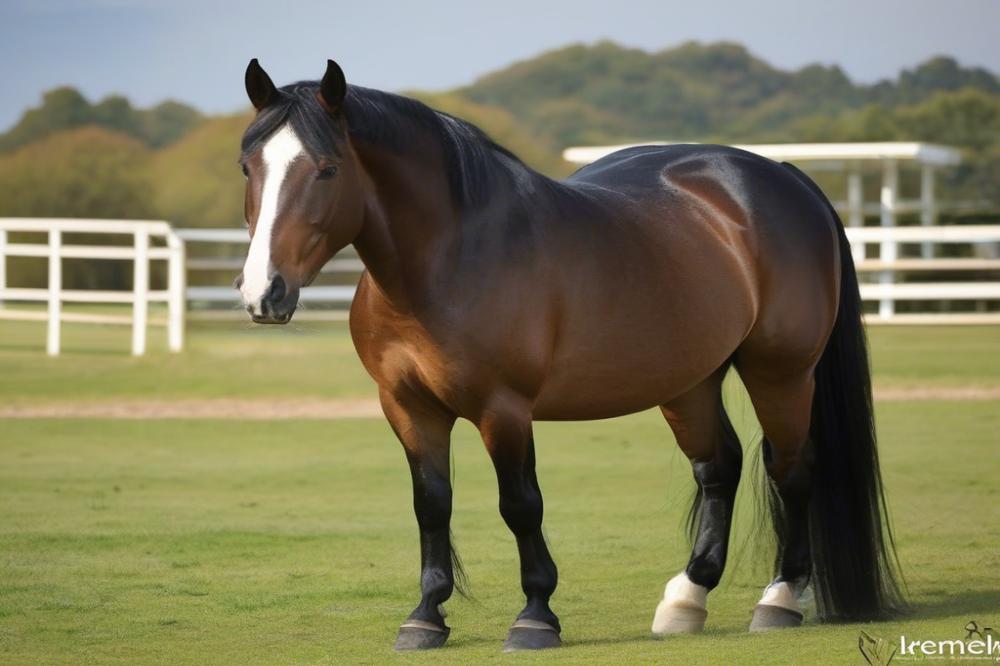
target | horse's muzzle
x=277, y=305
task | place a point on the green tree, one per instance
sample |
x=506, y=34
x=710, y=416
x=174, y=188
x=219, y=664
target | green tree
x=85, y=172
x=166, y=123
x=61, y=109
x=65, y=108
x=197, y=180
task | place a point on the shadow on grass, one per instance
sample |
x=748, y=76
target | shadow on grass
x=971, y=602
x=479, y=641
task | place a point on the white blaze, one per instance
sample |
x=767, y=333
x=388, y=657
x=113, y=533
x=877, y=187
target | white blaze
x=279, y=152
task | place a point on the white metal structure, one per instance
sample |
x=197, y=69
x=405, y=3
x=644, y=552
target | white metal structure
x=140, y=254
x=853, y=159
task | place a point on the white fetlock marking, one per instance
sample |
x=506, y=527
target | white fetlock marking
x=796, y=597
x=782, y=595
x=683, y=609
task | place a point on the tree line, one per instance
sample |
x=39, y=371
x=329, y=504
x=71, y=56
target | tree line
x=71, y=157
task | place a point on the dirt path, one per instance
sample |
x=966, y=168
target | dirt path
x=343, y=408
x=911, y=393
x=212, y=408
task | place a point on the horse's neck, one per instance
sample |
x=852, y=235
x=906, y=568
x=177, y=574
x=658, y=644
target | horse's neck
x=409, y=222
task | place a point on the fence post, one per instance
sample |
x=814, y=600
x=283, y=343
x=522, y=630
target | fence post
x=3, y=263
x=176, y=287
x=55, y=289
x=140, y=293
x=928, y=212
x=888, y=250
x=855, y=208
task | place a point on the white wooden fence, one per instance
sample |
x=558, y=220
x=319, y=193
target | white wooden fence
x=982, y=259
x=237, y=240
x=140, y=253
x=886, y=289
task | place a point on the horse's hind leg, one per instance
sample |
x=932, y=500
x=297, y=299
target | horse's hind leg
x=425, y=430
x=506, y=431
x=703, y=432
x=782, y=394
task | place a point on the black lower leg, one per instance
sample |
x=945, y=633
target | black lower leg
x=792, y=483
x=717, y=480
x=521, y=508
x=432, y=505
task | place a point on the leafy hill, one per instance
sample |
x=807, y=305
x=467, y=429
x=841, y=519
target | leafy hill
x=608, y=93
x=71, y=157
x=197, y=180
x=84, y=172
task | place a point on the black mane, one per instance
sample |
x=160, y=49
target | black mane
x=472, y=159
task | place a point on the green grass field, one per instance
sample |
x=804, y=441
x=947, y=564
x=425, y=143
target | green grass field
x=213, y=541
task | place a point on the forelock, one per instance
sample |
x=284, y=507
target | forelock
x=296, y=105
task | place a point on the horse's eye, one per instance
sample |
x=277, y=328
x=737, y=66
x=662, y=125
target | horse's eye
x=246, y=171
x=327, y=172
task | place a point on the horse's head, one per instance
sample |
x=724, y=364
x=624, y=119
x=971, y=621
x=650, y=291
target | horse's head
x=303, y=196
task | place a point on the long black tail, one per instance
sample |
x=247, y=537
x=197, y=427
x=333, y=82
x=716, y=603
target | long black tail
x=855, y=569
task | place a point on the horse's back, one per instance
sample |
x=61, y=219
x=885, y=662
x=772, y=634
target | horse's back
x=713, y=244
x=750, y=180
x=769, y=211
x=638, y=165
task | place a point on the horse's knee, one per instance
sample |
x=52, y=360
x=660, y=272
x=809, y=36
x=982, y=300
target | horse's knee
x=434, y=512
x=521, y=508
x=432, y=497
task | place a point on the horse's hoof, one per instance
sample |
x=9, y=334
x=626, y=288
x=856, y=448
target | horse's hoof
x=682, y=609
x=418, y=635
x=531, y=635
x=678, y=619
x=767, y=618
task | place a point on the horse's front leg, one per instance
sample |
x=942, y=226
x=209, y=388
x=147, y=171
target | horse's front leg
x=506, y=431
x=424, y=429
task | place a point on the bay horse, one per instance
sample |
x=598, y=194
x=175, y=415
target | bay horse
x=498, y=295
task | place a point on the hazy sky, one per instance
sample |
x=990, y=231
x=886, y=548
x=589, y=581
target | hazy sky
x=195, y=50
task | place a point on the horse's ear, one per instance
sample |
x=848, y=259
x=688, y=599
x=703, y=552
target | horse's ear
x=332, y=89
x=260, y=88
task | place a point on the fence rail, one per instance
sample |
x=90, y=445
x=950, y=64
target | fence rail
x=887, y=290
x=140, y=253
x=981, y=262
x=890, y=265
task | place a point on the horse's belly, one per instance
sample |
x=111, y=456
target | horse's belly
x=556, y=404
x=636, y=365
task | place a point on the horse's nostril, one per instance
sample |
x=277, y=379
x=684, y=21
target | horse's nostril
x=276, y=292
